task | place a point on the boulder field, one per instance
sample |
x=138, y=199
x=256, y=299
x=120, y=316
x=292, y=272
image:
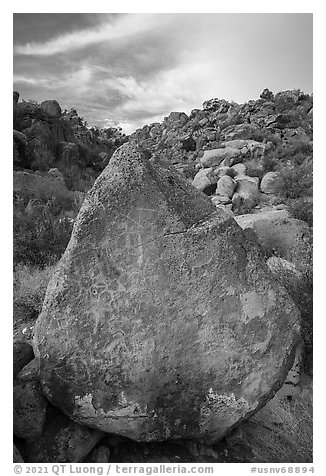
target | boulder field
x=161, y=320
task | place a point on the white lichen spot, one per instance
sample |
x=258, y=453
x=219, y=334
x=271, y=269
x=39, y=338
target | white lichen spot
x=122, y=399
x=224, y=399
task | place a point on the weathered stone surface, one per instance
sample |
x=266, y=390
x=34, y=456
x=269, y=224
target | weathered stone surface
x=52, y=107
x=29, y=404
x=225, y=186
x=247, y=185
x=239, y=169
x=204, y=178
x=215, y=156
x=268, y=183
x=161, y=320
x=22, y=354
x=62, y=441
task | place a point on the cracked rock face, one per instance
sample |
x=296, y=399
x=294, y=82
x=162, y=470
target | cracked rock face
x=161, y=321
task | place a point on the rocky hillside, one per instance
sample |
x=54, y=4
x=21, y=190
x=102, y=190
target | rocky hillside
x=177, y=326
x=47, y=137
x=272, y=136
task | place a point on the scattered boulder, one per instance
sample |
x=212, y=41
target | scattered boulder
x=215, y=156
x=52, y=107
x=225, y=186
x=204, y=178
x=161, y=320
x=268, y=183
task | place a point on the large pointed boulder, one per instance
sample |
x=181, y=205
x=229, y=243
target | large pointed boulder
x=161, y=320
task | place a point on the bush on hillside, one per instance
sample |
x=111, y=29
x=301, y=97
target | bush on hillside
x=294, y=181
x=30, y=285
x=302, y=209
x=41, y=233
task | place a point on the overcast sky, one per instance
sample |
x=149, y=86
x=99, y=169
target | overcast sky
x=134, y=69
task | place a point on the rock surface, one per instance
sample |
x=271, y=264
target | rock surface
x=215, y=156
x=161, y=320
x=268, y=183
x=52, y=107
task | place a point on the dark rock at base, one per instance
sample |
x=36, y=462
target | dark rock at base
x=62, y=441
x=17, y=457
x=29, y=403
x=100, y=454
x=22, y=355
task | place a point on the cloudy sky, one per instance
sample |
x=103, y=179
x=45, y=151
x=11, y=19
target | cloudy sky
x=134, y=69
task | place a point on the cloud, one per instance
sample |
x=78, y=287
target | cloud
x=133, y=69
x=123, y=27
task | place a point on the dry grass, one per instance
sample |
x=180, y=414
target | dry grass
x=30, y=284
x=281, y=432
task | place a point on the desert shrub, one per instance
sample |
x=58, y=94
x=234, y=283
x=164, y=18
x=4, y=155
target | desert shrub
x=302, y=209
x=294, y=181
x=41, y=234
x=269, y=162
x=301, y=147
x=77, y=179
x=29, y=285
x=262, y=135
